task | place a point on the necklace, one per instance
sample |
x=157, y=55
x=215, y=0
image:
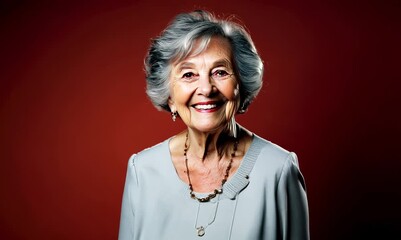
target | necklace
x=201, y=230
x=216, y=191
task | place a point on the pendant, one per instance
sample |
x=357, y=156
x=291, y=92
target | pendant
x=201, y=231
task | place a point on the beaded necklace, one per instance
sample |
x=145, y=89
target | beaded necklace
x=216, y=191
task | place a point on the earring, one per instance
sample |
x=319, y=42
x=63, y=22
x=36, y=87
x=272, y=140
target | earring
x=174, y=116
x=242, y=109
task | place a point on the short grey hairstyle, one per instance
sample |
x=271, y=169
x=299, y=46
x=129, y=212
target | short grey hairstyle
x=176, y=43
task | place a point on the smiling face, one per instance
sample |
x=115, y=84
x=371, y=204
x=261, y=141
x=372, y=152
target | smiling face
x=204, y=89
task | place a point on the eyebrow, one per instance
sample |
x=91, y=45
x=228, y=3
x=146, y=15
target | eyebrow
x=185, y=65
x=220, y=62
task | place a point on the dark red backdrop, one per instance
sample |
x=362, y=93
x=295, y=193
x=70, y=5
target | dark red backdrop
x=73, y=109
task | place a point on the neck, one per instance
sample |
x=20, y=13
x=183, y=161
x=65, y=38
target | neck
x=208, y=146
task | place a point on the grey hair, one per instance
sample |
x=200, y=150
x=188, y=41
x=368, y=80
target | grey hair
x=176, y=43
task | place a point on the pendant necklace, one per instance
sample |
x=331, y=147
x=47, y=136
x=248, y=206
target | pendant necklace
x=201, y=229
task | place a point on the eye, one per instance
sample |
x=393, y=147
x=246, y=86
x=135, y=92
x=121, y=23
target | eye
x=220, y=74
x=189, y=76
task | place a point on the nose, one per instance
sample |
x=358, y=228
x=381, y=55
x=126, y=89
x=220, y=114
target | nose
x=205, y=86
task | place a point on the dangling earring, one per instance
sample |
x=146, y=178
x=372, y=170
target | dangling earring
x=174, y=116
x=242, y=109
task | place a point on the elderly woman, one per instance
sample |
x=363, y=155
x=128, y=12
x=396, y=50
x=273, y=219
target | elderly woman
x=215, y=180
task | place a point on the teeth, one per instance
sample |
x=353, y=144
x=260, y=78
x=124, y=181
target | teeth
x=205, y=107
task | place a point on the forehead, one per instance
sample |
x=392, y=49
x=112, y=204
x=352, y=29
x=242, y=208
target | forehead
x=217, y=51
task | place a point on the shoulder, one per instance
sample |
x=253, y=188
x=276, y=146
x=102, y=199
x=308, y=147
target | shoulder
x=149, y=155
x=270, y=148
x=272, y=157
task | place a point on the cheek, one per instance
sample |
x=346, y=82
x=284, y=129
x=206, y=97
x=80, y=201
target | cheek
x=229, y=90
x=180, y=99
x=179, y=94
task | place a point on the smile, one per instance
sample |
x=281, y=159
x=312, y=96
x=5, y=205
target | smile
x=206, y=107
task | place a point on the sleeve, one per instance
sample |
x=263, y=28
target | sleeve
x=292, y=202
x=127, y=218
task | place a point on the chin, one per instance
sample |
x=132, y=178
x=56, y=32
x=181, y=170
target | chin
x=209, y=128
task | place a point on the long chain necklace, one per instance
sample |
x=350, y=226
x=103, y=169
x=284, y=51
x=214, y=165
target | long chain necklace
x=216, y=191
x=201, y=230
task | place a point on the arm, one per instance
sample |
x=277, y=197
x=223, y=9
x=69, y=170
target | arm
x=292, y=202
x=127, y=211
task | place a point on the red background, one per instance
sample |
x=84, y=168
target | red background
x=73, y=109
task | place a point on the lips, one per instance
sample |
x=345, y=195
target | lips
x=207, y=106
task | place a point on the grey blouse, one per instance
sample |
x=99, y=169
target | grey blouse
x=264, y=199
